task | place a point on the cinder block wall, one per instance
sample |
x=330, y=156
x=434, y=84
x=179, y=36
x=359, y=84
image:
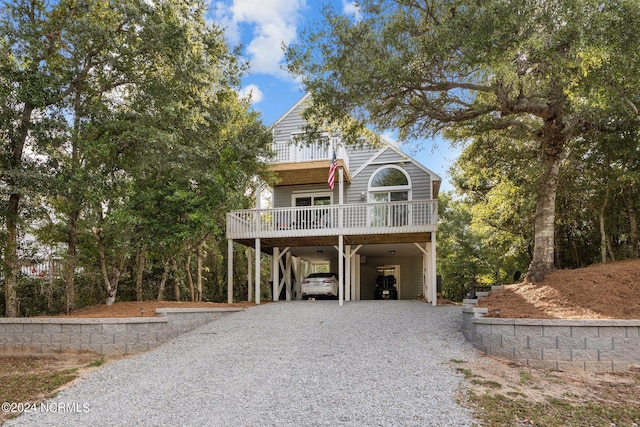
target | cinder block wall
x=589, y=345
x=115, y=336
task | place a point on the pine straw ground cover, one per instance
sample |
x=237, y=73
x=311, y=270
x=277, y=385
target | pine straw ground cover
x=505, y=394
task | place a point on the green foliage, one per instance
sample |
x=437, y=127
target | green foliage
x=136, y=137
x=526, y=82
x=473, y=250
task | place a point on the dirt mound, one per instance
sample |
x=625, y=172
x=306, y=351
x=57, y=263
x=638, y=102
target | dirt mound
x=603, y=291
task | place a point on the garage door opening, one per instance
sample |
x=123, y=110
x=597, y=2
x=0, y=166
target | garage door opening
x=387, y=282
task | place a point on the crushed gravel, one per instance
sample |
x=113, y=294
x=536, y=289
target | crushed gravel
x=304, y=363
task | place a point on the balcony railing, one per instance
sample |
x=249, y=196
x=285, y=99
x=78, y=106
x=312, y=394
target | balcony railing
x=329, y=220
x=288, y=152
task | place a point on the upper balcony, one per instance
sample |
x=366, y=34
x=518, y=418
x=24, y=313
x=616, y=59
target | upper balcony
x=306, y=164
x=363, y=221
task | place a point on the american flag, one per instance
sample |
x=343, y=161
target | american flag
x=332, y=171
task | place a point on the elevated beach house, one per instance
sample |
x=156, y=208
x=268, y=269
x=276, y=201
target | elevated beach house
x=362, y=213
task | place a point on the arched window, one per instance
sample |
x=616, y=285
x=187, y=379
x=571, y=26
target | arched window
x=389, y=177
x=387, y=185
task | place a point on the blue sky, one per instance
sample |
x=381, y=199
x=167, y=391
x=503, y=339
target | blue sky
x=262, y=26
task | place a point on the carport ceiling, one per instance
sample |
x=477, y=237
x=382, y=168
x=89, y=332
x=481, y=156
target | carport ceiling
x=326, y=253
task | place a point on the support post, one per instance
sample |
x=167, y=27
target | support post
x=258, y=256
x=340, y=270
x=258, y=249
x=434, y=281
x=347, y=273
x=356, y=277
x=249, y=274
x=287, y=275
x=230, y=271
x=297, y=274
x=275, y=273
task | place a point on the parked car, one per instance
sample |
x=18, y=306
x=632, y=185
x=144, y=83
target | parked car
x=318, y=285
x=386, y=288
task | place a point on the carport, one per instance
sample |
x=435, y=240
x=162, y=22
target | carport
x=355, y=262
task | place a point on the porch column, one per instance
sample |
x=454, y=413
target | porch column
x=347, y=273
x=428, y=271
x=341, y=238
x=230, y=271
x=275, y=273
x=258, y=256
x=257, y=225
x=297, y=277
x=249, y=274
x=426, y=274
x=287, y=275
x=434, y=281
x=355, y=280
x=340, y=270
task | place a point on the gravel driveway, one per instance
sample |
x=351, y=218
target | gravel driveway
x=305, y=363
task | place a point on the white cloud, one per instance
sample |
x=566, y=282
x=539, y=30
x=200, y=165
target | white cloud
x=351, y=8
x=252, y=92
x=271, y=23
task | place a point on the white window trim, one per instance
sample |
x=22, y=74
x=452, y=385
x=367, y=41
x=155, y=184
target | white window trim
x=407, y=187
x=312, y=194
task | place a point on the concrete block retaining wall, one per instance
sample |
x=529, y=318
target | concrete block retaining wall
x=108, y=336
x=589, y=345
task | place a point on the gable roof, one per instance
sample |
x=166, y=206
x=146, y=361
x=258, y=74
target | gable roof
x=389, y=144
x=292, y=109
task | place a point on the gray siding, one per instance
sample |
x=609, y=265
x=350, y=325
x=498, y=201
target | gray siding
x=292, y=123
x=420, y=180
x=282, y=195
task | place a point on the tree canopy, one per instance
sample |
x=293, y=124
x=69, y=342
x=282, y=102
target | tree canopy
x=121, y=134
x=545, y=75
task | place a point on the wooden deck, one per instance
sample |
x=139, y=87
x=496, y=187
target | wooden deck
x=364, y=223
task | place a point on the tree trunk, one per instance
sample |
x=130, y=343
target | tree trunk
x=176, y=282
x=200, y=262
x=163, y=281
x=74, y=214
x=141, y=260
x=633, y=226
x=11, y=258
x=542, y=261
x=110, y=285
x=108, y=288
x=12, y=265
x=603, y=232
x=115, y=280
x=70, y=265
x=192, y=292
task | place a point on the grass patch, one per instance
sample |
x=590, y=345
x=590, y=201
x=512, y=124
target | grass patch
x=525, y=377
x=466, y=372
x=96, y=363
x=26, y=387
x=31, y=379
x=498, y=410
x=490, y=384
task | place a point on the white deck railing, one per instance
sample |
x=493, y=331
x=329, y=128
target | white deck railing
x=329, y=220
x=287, y=152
